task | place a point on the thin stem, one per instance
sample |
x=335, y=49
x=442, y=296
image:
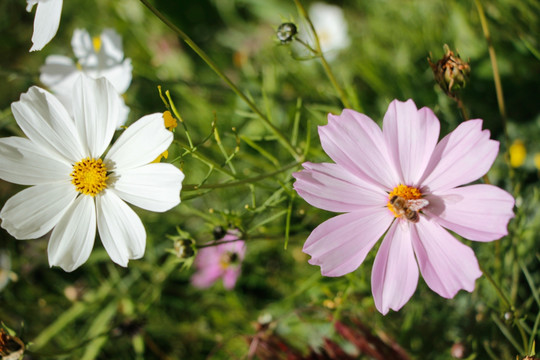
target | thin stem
x=280, y=136
x=216, y=243
x=497, y=81
x=493, y=58
x=499, y=291
x=191, y=187
x=508, y=305
x=319, y=52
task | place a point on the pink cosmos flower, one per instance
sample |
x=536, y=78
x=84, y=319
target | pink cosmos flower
x=401, y=182
x=220, y=261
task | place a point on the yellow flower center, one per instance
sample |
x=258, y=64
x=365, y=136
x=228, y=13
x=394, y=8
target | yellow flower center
x=405, y=192
x=89, y=176
x=228, y=259
x=96, y=42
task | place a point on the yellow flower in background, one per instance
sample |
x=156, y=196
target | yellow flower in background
x=518, y=153
x=537, y=160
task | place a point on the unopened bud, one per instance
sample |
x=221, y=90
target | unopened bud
x=184, y=248
x=286, y=32
x=218, y=232
x=451, y=73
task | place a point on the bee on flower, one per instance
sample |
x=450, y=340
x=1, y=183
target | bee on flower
x=405, y=186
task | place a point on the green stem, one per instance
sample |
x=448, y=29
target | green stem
x=493, y=58
x=499, y=291
x=509, y=307
x=319, y=52
x=191, y=187
x=280, y=136
x=498, y=83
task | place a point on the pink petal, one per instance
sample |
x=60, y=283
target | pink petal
x=356, y=143
x=477, y=212
x=446, y=264
x=464, y=155
x=340, y=244
x=230, y=277
x=204, y=278
x=411, y=136
x=395, y=273
x=331, y=187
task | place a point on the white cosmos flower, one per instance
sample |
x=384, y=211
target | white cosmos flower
x=101, y=56
x=76, y=185
x=331, y=27
x=46, y=21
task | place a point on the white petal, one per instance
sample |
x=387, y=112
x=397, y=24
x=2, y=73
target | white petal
x=46, y=22
x=81, y=42
x=73, y=238
x=123, y=113
x=119, y=75
x=96, y=108
x=122, y=232
x=46, y=122
x=22, y=162
x=111, y=45
x=56, y=70
x=154, y=187
x=33, y=212
x=59, y=74
x=140, y=144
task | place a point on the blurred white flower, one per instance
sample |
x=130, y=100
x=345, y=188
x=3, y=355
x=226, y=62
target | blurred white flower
x=46, y=21
x=75, y=184
x=331, y=28
x=97, y=57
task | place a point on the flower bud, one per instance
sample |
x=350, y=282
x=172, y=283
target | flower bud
x=218, y=232
x=286, y=32
x=451, y=73
x=184, y=248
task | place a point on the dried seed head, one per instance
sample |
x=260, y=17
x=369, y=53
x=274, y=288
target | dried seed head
x=451, y=73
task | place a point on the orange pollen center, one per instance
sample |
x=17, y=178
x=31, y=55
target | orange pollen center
x=405, y=192
x=228, y=259
x=89, y=176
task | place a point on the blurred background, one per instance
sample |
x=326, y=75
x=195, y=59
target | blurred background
x=281, y=307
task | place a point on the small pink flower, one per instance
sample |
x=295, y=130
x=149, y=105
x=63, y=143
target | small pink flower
x=220, y=261
x=401, y=182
